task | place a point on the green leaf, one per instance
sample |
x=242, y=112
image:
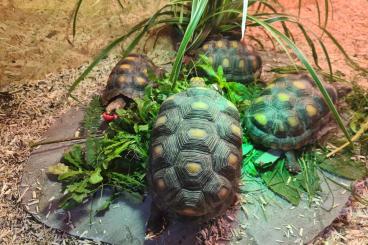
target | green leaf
x=343, y=166
x=205, y=65
x=309, y=178
x=92, y=151
x=58, y=169
x=143, y=128
x=279, y=181
x=267, y=159
x=238, y=88
x=78, y=187
x=198, y=8
x=246, y=148
x=106, y=205
x=220, y=71
x=70, y=174
x=250, y=169
x=128, y=182
x=79, y=198
x=116, y=153
x=96, y=177
x=75, y=156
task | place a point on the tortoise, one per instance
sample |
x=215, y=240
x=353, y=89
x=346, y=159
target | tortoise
x=195, y=158
x=289, y=114
x=127, y=81
x=240, y=62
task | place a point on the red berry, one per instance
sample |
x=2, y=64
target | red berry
x=109, y=117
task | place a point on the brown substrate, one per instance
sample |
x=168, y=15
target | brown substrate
x=30, y=107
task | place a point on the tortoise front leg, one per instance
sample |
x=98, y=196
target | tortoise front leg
x=157, y=222
x=291, y=162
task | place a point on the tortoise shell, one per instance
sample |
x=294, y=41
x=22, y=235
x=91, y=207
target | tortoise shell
x=128, y=78
x=240, y=62
x=195, y=154
x=289, y=113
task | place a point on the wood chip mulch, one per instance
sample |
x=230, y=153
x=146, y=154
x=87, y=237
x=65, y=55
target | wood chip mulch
x=26, y=112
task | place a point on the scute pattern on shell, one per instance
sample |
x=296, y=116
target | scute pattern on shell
x=128, y=78
x=195, y=154
x=289, y=113
x=240, y=63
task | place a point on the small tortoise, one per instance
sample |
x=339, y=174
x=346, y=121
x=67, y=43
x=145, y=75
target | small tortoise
x=240, y=62
x=127, y=81
x=195, y=158
x=289, y=114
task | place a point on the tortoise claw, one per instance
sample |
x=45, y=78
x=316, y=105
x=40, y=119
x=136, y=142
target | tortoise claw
x=155, y=228
x=156, y=223
x=293, y=168
x=292, y=163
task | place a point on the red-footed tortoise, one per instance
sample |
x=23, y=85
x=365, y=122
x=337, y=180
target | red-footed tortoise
x=127, y=81
x=195, y=157
x=240, y=62
x=289, y=114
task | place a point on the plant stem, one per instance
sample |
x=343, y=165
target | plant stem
x=354, y=138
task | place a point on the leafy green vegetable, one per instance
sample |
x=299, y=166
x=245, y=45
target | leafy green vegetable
x=91, y=121
x=343, y=166
x=105, y=205
x=75, y=157
x=58, y=169
x=282, y=183
x=96, y=177
x=250, y=169
x=70, y=175
x=118, y=158
x=267, y=159
x=309, y=178
x=246, y=148
x=239, y=94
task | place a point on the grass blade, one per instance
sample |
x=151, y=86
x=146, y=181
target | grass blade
x=310, y=44
x=75, y=14
x=121, y=5
x=143, y=24
x=342, y=50
x=101, y=55
x=318, y=12
x=326, y=14
x=244, y=17
x=195, y=17
x=327, y=59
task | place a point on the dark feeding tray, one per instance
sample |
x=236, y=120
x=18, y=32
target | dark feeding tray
x=258, y=222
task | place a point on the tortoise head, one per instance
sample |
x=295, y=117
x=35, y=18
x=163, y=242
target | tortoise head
x=197, y=82
x=342, y=89
x=159, y=71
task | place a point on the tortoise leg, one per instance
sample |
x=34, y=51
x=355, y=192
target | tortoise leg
x=157, y=222
x=117, y=103
x=291, y=163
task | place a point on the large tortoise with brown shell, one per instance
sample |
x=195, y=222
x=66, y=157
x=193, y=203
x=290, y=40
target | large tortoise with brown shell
x=195, y=157
x=291, y=113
